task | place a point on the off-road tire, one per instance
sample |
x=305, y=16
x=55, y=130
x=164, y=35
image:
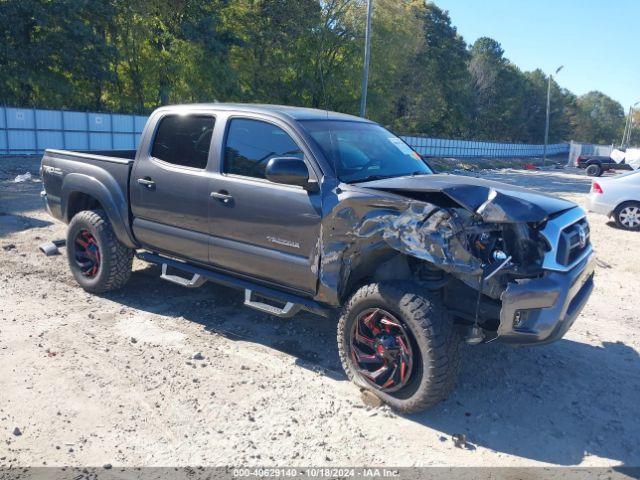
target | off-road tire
x=116, y=259
x=619, y=209
x=435, y=338
x=594, y=170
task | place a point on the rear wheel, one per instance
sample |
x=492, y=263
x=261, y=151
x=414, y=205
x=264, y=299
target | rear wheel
x=399, y=342
x=627, y=215
x=98, y=260
x=594, y=170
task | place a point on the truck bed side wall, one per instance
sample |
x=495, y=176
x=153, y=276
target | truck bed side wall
x=70, y=178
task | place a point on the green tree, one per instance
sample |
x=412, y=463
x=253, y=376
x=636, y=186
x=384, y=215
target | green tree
x=435, y=96
x=56, y=54
x=601, y=119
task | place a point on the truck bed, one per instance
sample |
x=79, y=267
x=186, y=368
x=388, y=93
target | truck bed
x=101, y=174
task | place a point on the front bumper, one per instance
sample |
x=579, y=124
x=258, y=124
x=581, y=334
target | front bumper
x=541, y=310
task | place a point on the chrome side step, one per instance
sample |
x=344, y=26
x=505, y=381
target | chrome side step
x=289, y=309
x=195, y=281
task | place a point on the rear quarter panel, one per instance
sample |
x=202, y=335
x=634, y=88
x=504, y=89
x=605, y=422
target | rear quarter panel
x=104, y=178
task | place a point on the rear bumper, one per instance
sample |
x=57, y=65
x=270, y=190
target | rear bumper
x=45, y=202
x=596, y=206
x=51, y=206
x=541, y=310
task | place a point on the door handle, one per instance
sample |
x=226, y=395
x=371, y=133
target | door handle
x=147, y=182
x=222, y=195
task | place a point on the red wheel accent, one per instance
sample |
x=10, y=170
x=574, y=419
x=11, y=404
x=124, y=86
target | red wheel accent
x=381, y=350
x=87, y=253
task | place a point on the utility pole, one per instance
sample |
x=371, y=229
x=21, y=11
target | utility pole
x=546, y=123
x=626, y=135
x=367, y=57
x=626, y=126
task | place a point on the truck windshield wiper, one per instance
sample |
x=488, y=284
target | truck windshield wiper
x=371, y=178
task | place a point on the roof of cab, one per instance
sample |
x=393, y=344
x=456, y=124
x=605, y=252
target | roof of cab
x=282, y=111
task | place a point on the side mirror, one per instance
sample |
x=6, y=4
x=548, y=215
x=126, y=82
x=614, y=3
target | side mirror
x=288, y=170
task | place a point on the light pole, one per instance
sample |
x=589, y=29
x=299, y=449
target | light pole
x=367, y=55
x=626, y=135
x=546, y=123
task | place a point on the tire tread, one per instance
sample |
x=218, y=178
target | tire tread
x=443, y=340
x=119, y=261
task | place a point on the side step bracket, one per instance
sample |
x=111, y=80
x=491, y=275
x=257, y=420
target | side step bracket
x=195, y=281
x=289, y=309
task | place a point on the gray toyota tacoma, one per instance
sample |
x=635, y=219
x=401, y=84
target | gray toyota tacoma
x=333, y=214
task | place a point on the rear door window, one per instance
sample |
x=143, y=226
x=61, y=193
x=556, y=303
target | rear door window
x=184, y=140
x=252, y=143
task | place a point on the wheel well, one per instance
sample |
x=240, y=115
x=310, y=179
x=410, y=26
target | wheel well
x=379, y=266
x=626, y=202
x=79, y=201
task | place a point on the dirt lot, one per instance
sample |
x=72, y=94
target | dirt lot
x=91, y=380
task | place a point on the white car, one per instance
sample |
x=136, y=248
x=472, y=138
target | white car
x=618, y=197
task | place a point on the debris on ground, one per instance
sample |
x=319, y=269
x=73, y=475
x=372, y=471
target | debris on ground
x=25, y=177
x=459, y=440
x=370, y=399
x=17, y=432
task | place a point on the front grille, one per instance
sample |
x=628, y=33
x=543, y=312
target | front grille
x=574, y=240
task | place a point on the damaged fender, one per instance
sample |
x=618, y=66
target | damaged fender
x=427, y=217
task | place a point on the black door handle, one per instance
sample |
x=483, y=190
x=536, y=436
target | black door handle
x=147, y=182
x=223, y=196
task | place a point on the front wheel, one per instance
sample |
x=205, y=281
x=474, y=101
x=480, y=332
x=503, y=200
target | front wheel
x=98, y=260
x=399, y=342
x=627, y=215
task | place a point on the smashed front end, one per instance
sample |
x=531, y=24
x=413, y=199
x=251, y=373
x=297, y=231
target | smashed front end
x=506, y=267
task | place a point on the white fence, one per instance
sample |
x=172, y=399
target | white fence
x=26, y=131
x=577, y=149
x=442, y=147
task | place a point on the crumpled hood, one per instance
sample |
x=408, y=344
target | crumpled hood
x=494, y=201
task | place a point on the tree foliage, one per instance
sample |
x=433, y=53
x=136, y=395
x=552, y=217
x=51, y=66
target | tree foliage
x=128, y=56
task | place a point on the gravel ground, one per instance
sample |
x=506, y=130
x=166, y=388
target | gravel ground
x=112, y=379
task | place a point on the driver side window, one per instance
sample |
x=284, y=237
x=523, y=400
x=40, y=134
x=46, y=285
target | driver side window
x=184, y=140
x=252, y=143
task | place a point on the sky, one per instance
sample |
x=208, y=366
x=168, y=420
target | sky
x=597, y=41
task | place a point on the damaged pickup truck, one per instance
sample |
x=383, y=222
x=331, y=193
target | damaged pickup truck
x=314, y=210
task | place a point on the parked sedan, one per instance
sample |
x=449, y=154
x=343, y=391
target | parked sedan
x=618, y=197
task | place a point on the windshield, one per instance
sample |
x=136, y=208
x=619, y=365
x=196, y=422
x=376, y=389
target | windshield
x=363, y=151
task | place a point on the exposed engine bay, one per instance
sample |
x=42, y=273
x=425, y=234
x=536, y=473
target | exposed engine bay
x=483, y=255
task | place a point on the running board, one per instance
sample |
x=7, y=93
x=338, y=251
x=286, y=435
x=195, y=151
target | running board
x=195, y=281
x=240, y=283
x=289, y=309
